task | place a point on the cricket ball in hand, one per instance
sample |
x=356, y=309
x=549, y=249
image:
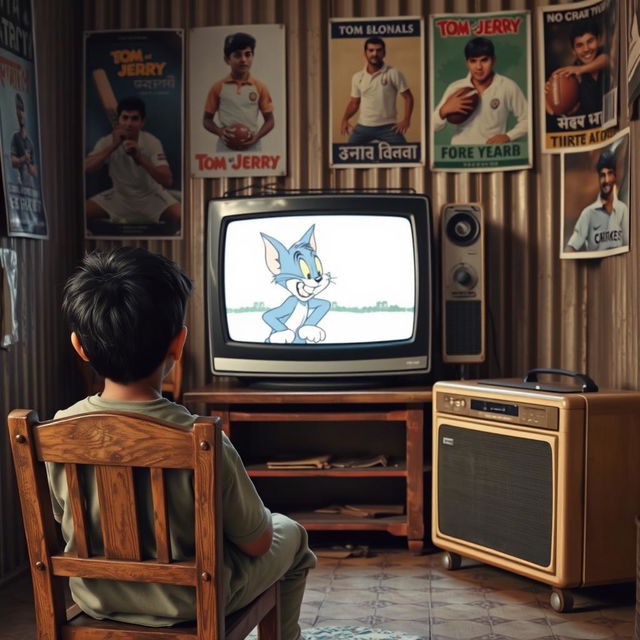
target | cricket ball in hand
x=238, y=134
x=562, y=94
x=460, y=116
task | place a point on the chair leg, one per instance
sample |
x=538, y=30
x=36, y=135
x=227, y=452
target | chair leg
x=269, y=626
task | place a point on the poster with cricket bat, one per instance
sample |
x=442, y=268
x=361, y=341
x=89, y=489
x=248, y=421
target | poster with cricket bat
x=133, y=140
x=19, y=126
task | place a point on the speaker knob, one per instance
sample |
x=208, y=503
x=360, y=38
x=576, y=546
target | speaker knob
x=465, y=276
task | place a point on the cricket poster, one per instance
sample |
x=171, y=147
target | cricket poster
x=633, y=51
x=595, y=199
x=20, y=129
x=238, y=101
x=578, y=81
x=376, y=85
x=133, y=114
x=481, y=91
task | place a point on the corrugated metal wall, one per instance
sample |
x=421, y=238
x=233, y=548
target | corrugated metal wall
x=39, y=372
x=542, y=311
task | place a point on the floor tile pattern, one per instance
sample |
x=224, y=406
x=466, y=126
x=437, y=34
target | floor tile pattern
x=396, y=591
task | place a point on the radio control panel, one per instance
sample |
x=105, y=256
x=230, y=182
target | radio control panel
x=519, y=413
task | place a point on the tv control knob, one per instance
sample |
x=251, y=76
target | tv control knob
x=465, y=276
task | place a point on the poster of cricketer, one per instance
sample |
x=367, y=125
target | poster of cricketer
x=238, y=101
x=481, y=91
x=133, y=133
x=21, y=158
x=376, y=68
x=578, y=83
x=595, y=200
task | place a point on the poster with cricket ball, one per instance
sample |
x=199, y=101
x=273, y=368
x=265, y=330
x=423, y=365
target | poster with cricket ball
x=237, y=101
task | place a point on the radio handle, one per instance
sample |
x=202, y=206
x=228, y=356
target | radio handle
x=586, y=382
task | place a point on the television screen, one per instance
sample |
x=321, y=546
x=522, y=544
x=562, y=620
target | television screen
x=320, y=285
x=366, y=296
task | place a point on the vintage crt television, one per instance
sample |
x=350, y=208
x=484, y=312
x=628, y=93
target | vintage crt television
x=328, y=286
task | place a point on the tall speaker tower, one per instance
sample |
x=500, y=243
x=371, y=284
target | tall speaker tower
x=463, y=286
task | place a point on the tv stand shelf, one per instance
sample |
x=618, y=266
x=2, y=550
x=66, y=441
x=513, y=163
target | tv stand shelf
x=264, y=423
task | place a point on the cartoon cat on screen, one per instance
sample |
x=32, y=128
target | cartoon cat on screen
x=298, y=269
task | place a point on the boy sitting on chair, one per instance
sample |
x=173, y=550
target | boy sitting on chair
x=126, y=309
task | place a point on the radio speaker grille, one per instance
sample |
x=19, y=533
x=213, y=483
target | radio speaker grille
x=464, y=327
x=496, y=491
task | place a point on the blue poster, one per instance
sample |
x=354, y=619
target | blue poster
x=21, y=159
x=133, y=133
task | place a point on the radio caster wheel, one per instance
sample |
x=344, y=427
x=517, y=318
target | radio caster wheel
x=451, y=561
x=561, y=600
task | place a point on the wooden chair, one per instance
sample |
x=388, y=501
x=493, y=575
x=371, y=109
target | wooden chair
x=115, y=443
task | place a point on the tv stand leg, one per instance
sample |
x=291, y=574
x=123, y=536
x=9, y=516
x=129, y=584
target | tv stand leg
x=415, y=547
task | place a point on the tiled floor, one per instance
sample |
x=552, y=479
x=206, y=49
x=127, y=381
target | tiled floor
x=397, y=591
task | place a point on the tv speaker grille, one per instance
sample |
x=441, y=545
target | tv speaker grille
x=496, y=491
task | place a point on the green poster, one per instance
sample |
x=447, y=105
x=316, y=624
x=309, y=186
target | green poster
x=480, y=91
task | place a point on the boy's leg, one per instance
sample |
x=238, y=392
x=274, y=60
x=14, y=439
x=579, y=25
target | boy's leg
x=288, y=560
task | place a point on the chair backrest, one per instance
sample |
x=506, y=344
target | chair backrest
x=114, y=444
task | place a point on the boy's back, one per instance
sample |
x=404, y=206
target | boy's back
x=126, y=309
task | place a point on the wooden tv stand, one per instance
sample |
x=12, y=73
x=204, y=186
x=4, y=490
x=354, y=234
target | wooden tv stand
x=264, y=423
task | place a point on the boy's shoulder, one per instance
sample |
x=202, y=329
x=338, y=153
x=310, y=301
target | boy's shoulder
x=161, y=409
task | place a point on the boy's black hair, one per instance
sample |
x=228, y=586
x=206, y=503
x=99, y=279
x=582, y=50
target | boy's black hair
x=19, y=102
x=479, y=47
x=238, y=42
x=132, y=103
x=581, y=27
x=607, y=160
x=374, y=40
x=126, y=305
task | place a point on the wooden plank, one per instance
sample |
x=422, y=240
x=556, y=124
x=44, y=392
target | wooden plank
x=80, y=530
x=160, y=517
x=115, y=439
x=182, y=573
x=118, y=517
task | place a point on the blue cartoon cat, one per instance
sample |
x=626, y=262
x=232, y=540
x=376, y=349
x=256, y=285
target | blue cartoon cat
x=299, y=270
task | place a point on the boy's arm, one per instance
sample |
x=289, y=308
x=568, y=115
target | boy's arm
x=246, y=521
x=211, y=108
x=599, y=62
x=267, y=125
x=260, y=546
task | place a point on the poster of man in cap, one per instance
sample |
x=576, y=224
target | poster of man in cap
x=21, y=159
x=480, y=91
x=376, y=69
x=595, y=201
x=578, y=83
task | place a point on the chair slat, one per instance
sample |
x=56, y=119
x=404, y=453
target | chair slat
x=115, y=439
x=160, y=519
x=208, y=529
x=78, y=511
x=118, y=517
x=183, y=573
x=85, y=628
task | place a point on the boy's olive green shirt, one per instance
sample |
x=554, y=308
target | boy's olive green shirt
x=245, y=518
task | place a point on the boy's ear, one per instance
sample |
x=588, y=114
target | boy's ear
x=177, y=344
x=75, y=341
